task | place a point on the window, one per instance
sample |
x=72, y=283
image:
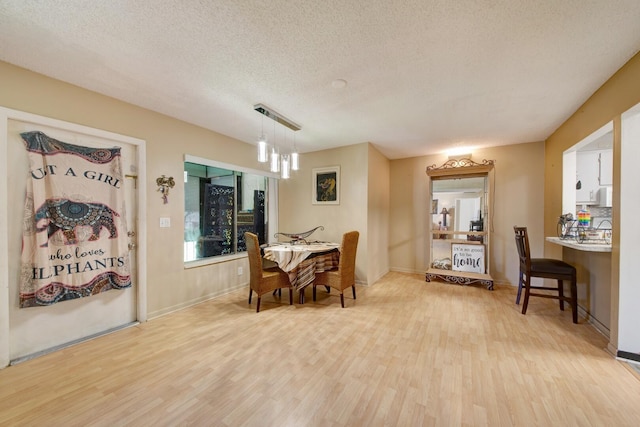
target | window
x=222, y=202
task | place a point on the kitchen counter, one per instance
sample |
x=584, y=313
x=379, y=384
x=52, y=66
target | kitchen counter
x=573, y=244
x=592, y=261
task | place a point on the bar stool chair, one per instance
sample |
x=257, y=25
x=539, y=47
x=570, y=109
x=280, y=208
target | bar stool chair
x=546, y=268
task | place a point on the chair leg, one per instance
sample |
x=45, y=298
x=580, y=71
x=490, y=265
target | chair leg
x=574, y=300
x=519, y=288
x=354, y=291
x=561, y=294
x=258, y=305
x=290, y=296
x=342, y=299
x=314, y=291
x=250, y=292
x=527, y=289
x=301, y=297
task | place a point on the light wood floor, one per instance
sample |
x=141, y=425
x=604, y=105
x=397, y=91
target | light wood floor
x=405, y=353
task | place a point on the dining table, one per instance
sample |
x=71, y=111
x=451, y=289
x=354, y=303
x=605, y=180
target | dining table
x=303, y=261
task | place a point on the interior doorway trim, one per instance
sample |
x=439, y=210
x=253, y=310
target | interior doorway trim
x=7, y=114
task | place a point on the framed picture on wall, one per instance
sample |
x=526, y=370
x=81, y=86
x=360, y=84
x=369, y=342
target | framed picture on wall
x=326, y=185
x=434, y=206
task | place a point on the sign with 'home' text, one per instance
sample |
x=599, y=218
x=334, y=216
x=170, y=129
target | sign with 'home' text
x=466, y=257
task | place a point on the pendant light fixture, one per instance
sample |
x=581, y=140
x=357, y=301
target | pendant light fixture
x=263, y=156
x=274, y=160
x=274, y=157
x=295, y=161
x=262, y=150
x=285, y=171
x=278, y=163
x=285, y=162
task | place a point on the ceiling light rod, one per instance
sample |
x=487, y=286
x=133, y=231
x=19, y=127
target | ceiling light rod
x=273, y=115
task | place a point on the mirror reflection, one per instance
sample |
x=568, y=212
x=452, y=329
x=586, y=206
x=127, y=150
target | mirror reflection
x=458, y=206
x=458, y=203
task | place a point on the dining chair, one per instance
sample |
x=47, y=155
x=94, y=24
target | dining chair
x=545, y=268
x=345, y=276
x=262, y=281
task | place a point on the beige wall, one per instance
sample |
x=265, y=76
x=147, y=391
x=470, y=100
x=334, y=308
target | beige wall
x=409, y=195
x=378, y=215
x=297, y=213
x=517, y=200
x=367, y=197
x=617, y=95
x=170, y=286
x=364, y=204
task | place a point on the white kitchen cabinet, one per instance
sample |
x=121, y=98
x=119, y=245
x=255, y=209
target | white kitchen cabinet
x=605, y=167
x=587, y=169
x=594, y=169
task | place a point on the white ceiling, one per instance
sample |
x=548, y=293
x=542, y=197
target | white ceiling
x=422, y=75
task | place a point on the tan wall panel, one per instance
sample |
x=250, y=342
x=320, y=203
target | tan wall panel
x=517, y=200
x=170, y=286
x=617, y=95
x=297, y=213
x=378, y=215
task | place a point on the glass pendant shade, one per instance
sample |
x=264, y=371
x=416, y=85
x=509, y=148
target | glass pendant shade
x=285, y=172
x=275, y=160
x=278, y=163
x=262, y=150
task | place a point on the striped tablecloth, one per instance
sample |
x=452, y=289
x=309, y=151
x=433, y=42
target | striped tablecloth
x=302, y=262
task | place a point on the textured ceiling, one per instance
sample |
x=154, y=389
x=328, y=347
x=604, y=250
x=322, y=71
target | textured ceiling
x=422, y=75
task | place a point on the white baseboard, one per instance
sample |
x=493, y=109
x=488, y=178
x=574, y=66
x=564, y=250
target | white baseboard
x=69, y=344
x=178, y=307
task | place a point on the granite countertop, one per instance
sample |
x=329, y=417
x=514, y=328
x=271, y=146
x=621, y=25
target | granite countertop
x=587, y=246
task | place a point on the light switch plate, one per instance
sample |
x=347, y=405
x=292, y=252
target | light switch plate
x=165, y=222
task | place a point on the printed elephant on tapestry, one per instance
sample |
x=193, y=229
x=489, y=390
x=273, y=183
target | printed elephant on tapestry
x=66, y=215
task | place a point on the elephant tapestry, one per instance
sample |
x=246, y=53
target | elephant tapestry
x=74, y=233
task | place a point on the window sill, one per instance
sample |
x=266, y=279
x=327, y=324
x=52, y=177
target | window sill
x=214, y=260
